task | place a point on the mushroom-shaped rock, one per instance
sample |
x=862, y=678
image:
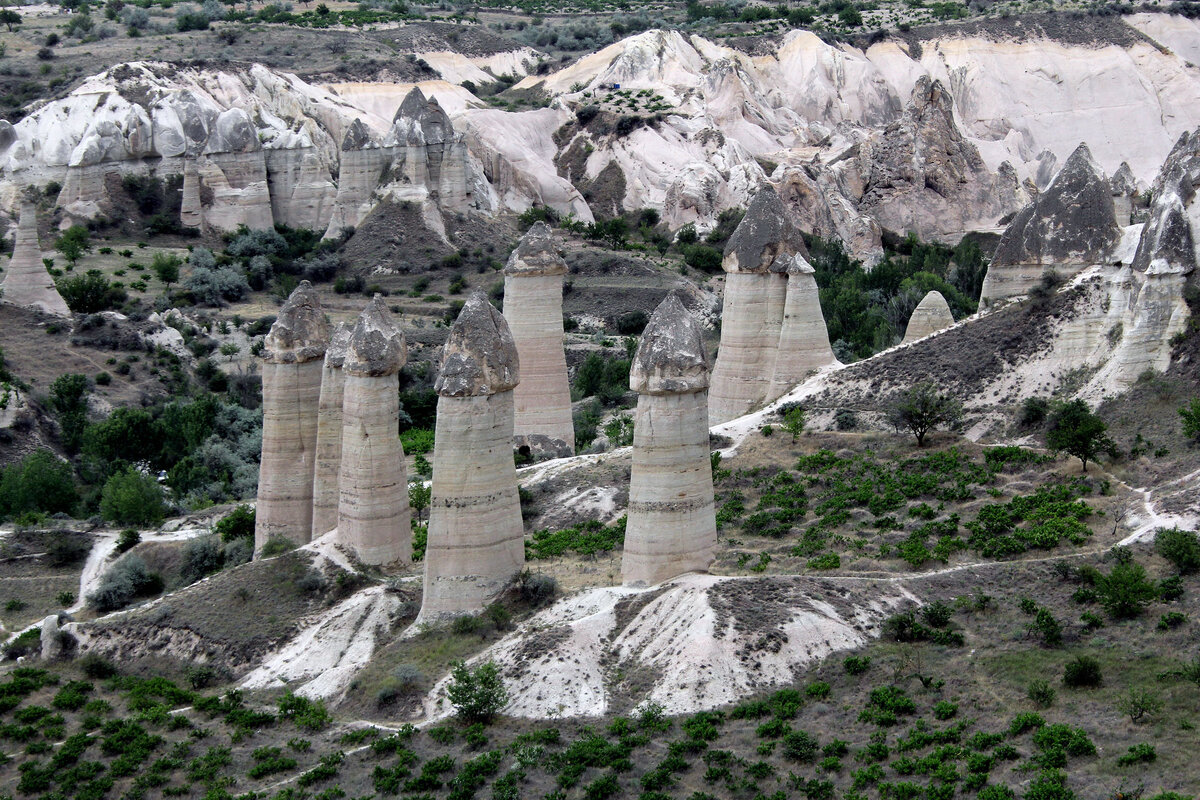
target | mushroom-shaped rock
x=764, y=240
x=26, y=282
x=533, y=309
x=476, y=537
x=1070, y=226
x=671, y=526
x=803, y=335
x=329, y=433
x=931, y=315
x=292, y=366
x=373, y=510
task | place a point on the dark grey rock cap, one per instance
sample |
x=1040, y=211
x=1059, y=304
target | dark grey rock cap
x=536, y=254
x=357, y=136
x=480, y=356
x=300, y=332
x=671, y=358
x=339, y=341
x=377, y=346
x=764, y=240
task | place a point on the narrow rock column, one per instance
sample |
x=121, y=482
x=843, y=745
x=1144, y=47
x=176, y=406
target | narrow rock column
x=329, y=434
x=373, y=512
x=803, y=338
x=26, y=281
x=533, y=308
x=191, y=213
x=931, y=315
x=476, y=536
x=292, y=365
x=671, y=527
x=756, y=258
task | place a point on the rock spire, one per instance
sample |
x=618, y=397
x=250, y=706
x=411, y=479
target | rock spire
x=329, y=433
x=26, y=282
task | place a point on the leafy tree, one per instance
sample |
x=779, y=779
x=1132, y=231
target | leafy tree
x=166, y=267
x=418, y=497
x=68, y=397
x=477, y=694
x=1126, y=590
x=131, y=498
x=237, y=524
x=73, y=243
x=39, y=482
x=1181, y=548
x=1190, y=414
x=1078, y=431
x=923, y=408
x=11, y=19
x=793, y=421
x=89, y=293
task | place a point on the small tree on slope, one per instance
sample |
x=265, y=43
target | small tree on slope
x=1078, y=431
x=923, y=408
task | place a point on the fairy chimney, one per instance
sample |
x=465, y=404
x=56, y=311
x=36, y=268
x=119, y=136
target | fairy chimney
x=27, y=283
x=329, y=433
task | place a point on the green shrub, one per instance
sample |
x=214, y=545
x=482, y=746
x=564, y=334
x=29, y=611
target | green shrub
x=1126, y=590
x=856, y=665
x=236, y=524
x=131, y=498
x=40, y=482
x=477, y=694
x=1181, y=548
x=276, y=545
x=1082, y=672
x=1041, y=693
x=126, y=580
x=800, y=746
x=1138, y=754
x=308, y=714
x=128, y=539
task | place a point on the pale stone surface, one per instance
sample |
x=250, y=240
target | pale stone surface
x=190, y=212
x=931, y=315
x=533, y=308
x=803, y=336
x=302, y=190
x=671, y=526
x=476, y=536
x=50, y=641
x=292, y=365
x=329, y=433
x=26, y=281
x=373, y=511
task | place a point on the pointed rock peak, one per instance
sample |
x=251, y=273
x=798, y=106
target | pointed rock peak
x=764, y=240
x=339, y=342
x=931, y=315
x=1080, y=165
x=300, y=332
x=357, y=136
x=377, y=345
x=536, y=254
x=929, y=92
x=413, y=105
x=671, y=358
x=1123, y=181
x=1166, y=245
x=934, y=302
x=799, y=266
x=480, y=356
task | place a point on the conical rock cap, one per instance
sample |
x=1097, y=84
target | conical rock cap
x=671, y=358
x=377, y=345
x=536, y=254
x=339, y=342
x=300, y=332
x=764, y=240
x=480, y=356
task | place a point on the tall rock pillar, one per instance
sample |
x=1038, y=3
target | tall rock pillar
x=292, y=365
x=329, y=434
x=756, y=261
x=803, y=337
x=26, y=282
x=476, y=536
x=533, y=308
x=672, y=527
x=373, y=512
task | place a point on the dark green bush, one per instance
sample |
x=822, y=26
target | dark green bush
x=1082, y=672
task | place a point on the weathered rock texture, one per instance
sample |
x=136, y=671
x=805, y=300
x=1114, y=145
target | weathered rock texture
x=476, y=537
x=292, y=366
x=1071, y=225
x=671, y=527
x=329, y=433
x=373, y=512
x=26, y=281
x=803, y=337
x=533, y=308
x=931, y=315
x=51, y=639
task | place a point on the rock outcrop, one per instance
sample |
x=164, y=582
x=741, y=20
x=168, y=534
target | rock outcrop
x=671, y=526
x=1125, y=193
x=533, y=287
x=373, y=511
x=1070, y=226
x=26, y=281
x=476, y=537
x=931, y=315
x=803, y=336
x=51, y=639
x=292, y=365
x=329, y=433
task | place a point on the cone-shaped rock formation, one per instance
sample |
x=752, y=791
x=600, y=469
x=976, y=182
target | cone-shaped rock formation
x=1071, y=225
x=671, y=527
x=27, y=283
x=533, y=308
x=329, y=433
x=373, y=511
x=292, y=365
x=803, y=338
x=931, y=315
x=476, y=537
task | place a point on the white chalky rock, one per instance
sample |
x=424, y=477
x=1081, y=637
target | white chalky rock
x=931, y=315
x=329, y=433
x=26, y=281
x=803, y=337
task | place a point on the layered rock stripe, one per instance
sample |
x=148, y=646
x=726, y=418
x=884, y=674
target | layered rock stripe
x=533, y=308
x=803, y=335
x=293, y=361
x=329, y=434
x=373, y=511
x=26, y=282
x=671, y=527
x=931, y=315
x=476, y=536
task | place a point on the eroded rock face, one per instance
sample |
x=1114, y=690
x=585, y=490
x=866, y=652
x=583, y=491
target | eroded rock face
x=803, y=336
x=373, y=510
x=26, y=281
x=764, y=240
x=1124, y=193
x=292, y=370
x=1071, y=225
x=671, y=527
x=533, y=309
x=476, y=537
x=931, y=315
x=329, y=433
